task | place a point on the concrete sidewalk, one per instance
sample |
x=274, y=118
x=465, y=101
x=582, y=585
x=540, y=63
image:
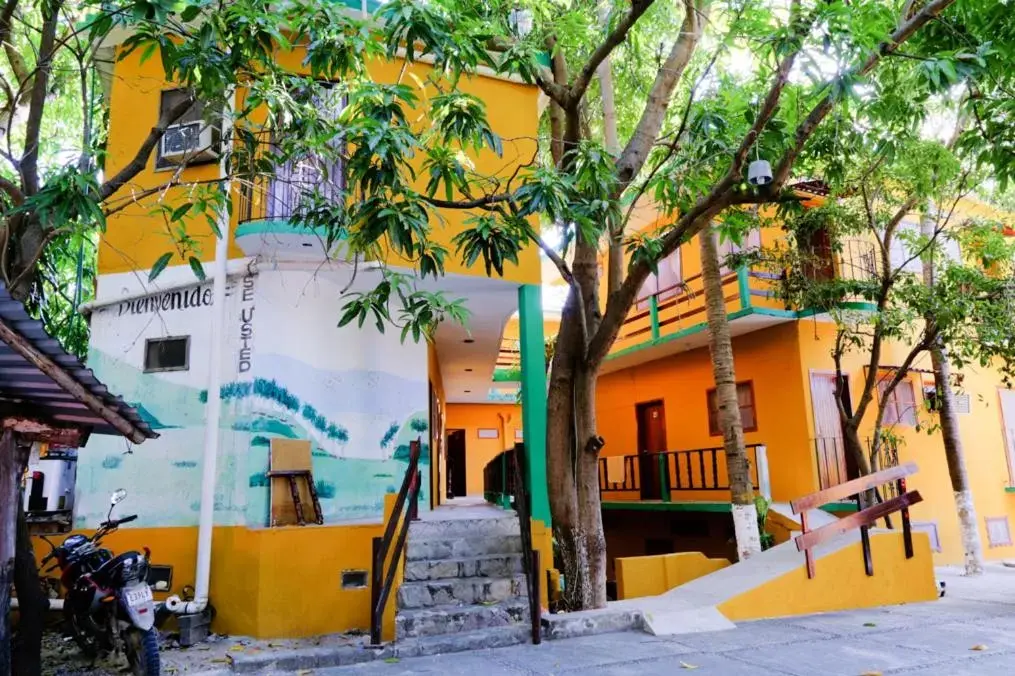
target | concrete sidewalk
x=970, y=631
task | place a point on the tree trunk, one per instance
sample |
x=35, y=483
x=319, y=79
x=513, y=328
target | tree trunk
x=955, y=456
x=9, y=479
x=720, y=345
x=33, y=603
x=950, y=435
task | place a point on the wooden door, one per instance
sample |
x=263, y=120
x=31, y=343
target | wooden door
x=828, y=446
x=651, y=439
x=1008, y=421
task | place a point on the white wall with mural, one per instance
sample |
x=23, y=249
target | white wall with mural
x=358, y=395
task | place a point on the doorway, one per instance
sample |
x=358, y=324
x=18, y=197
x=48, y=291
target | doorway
x=1008, y=421
x=834, y=467
x=651, y=417
x=455, y=466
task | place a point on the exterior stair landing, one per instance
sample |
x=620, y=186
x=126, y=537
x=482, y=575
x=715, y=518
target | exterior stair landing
x=464, y=584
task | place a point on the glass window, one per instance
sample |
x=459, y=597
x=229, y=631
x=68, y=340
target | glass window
x=900, y=409
x=167, y=354
x=748, y=413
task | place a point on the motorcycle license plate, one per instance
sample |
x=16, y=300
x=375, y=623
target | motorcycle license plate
x=139, y=596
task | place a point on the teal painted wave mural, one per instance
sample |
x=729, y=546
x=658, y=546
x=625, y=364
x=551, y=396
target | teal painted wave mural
x=360, y=451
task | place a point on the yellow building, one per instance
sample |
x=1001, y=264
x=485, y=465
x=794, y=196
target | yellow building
x=654, y=395
x=351, y=400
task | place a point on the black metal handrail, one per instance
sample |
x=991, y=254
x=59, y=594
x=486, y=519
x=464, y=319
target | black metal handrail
x=383, y=580
x=695, y=469
x=530, y=556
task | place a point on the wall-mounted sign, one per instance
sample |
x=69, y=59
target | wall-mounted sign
x=488, y=433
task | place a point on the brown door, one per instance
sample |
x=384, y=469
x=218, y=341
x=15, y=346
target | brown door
x=828, y=446
x=651, y=439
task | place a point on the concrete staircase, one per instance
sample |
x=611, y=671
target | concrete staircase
x=464, y=587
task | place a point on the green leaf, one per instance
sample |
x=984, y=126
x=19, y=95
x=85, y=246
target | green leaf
x=195, y=265
x=190, y=13
x=159, y=266
x=148, y=51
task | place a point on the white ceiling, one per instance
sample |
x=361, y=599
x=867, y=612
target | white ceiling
x=491, y=303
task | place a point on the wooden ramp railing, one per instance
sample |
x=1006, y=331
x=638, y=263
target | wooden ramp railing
x=863, y=518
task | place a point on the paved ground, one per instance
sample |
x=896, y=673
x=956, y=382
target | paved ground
x=970, y=631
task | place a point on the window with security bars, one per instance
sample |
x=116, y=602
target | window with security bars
x=748, y=414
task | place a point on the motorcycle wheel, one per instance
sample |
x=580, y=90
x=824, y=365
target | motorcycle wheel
x=88, y=644
x=142, y=649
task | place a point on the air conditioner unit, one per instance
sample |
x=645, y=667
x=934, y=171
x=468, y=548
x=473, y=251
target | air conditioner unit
x=189, y=142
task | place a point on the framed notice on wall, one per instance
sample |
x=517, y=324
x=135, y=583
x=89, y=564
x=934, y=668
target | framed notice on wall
x=488, y=433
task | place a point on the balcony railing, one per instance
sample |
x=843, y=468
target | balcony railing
x=654, y=476
x=293, y=189
x=855, y=260
x=830, y=454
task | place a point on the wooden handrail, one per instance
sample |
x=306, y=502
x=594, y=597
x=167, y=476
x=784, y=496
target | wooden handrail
x=867, y=517
x=382, y=581
x=863, y=518
x=850, y=488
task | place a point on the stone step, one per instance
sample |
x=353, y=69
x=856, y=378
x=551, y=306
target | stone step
x=419, y=549
x=507, y=524
x=456, y=619
x=460, y=591
x=494, y=637
x=497, y=565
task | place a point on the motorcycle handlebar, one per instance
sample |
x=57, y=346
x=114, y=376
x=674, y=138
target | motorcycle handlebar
x=109, y=525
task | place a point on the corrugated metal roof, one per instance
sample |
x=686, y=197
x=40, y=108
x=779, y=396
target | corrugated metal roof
x=25, y=384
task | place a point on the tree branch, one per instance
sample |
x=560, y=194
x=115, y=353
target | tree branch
x=140, y=158
x=638, y=147
x=37, y=100
x=905, y=30
x=605, y=48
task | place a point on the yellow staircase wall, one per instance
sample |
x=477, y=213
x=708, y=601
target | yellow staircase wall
x=639, y=576
x=841, y=582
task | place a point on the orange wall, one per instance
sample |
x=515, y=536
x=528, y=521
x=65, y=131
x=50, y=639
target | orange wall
x=982, y=436
x=135, y=238
x=506, y=418
x=767, y=357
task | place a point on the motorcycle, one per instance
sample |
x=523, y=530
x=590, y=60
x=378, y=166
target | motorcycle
x=108, y=605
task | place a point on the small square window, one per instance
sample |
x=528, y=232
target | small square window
x=998, y=532
x=167, y=354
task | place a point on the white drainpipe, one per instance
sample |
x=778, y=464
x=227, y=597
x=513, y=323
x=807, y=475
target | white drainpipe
x=213, y=408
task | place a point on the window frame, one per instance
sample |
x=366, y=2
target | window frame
x=900, y=418
x=193, y=114
x=165, y=369
x=713, y=416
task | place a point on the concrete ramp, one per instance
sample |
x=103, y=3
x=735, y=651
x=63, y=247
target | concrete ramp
x=775, y=584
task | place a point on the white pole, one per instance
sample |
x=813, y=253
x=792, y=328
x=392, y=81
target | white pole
x=213, y=407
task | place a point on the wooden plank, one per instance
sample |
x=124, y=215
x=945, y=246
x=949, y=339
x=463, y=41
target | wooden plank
x=867, y=517
x=835, y=493
x=287, y=456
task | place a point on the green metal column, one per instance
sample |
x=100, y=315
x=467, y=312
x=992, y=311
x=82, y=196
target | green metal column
x=653, y=314
x=533, y=353
x=743, y=287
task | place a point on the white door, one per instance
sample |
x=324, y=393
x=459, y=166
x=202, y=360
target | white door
x=828, y=445
x=1008, y=421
